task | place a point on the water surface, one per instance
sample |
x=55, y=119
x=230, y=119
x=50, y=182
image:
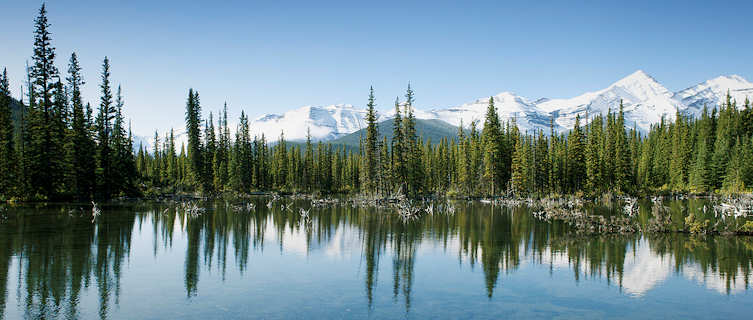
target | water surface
x=153, y=261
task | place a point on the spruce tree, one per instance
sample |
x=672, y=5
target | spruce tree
x=492, y=144
x=623, y=169
x=371, y=154
x=593, y=161
x=736, y=178
x=384, y=167
x=221, y=156
x=81, y=151
x=195, y=147
x=725, y=132
x=308, y=163
x=105, y=116
x=412, y=151
x=43, y=169
x=399, y=174
x=576, y=168
x=8, y=170
x=701, y=174
x=210, y=149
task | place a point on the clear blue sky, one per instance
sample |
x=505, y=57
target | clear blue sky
x=271, y=56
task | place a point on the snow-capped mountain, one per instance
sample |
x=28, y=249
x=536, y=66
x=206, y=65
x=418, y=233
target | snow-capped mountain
x=508, y=104
x=645, y=102
x=324, y=122
x=713, y=92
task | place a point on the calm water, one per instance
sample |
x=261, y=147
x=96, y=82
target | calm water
x=148, y=261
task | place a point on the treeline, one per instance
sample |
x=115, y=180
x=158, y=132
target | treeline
x=57, y=148
x=713, y=153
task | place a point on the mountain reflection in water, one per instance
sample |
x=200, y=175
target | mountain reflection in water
x=56, y=263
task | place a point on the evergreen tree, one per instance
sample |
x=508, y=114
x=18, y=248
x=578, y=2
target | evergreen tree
x=308, y=163
x=172, y=166
x=281, y=165
x=492, y=141
x=82, y=148
x=44, y=164
x=371, y=157
x=210, y=149
x=399, y=172
x=8, y=170
x=725, y=132
x=411, y=148
x=593, y=161
x=623, y=162
x=739, y=171
x=520, y=168
x=384, y=167
x=541, y=163
x=106, y=114
x=222, y=154
x=701, y=174
x=123, y=164
x=195, y=147
x=576, y=168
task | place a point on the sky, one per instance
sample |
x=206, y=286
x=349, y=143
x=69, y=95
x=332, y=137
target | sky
x=273, y=56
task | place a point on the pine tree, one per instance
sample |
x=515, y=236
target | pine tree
x=210, y=149
x=576, y=168
x=384, y=167
x=541, y=163
x=122, y=160
x=593, y=161
x=281, y=165
x=81, y=150
x=519, y=168
x=43, y=168
x=747, y=118
x=701, y=174
x=644, y=164
x=371, y=148
x=172, y=166
x=8, y=170
x=623, y=169
x=725, y=132
x=399, y=174
x=195, y=146
x=737, y=177
x=492, y=141
x=308, y=163
x=412, y=151
x=157, y=167
x=104, y=135
x=222, y=154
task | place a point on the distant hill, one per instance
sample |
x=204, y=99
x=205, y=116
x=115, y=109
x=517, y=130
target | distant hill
x=427, y=129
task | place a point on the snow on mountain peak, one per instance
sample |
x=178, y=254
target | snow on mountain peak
x=641, y=86
x=645, y=102
x=324, y=122
x=713, y=92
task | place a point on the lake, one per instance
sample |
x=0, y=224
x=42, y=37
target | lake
x=151, y=260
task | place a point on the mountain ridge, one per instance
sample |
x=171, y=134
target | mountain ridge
x=645, y=100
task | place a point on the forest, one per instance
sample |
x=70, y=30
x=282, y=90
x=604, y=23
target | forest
x=55, y=146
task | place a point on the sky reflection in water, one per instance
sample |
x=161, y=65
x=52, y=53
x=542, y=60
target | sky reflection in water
x=143, y=261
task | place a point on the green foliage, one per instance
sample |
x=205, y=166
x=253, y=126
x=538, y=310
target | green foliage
x=53, y=148
x=371, y=157
x=696, y=226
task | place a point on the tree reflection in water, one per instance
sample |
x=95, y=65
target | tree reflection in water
x=51, y=254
